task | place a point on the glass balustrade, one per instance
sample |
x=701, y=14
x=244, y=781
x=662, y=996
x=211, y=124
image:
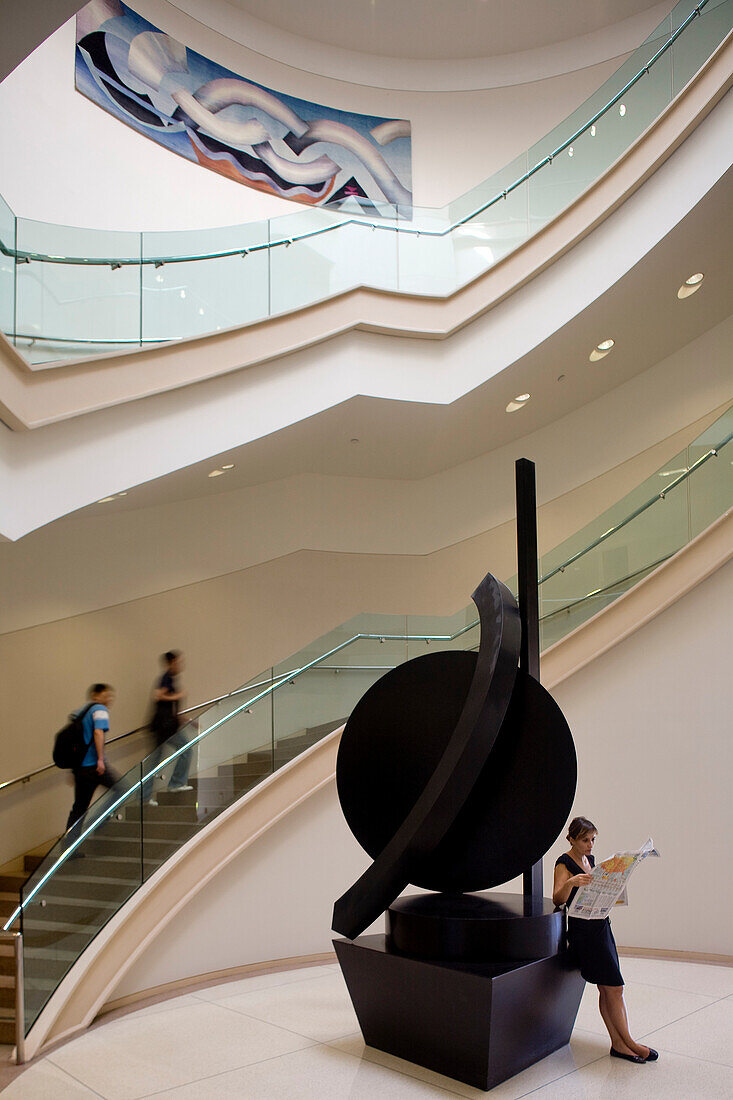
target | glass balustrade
x=233, y=744
x=66, y=293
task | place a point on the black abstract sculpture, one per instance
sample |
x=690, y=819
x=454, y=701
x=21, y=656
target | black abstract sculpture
x=456, y=772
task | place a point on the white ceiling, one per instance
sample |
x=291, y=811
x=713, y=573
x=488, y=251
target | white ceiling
x=641, y=313
x=443, y=29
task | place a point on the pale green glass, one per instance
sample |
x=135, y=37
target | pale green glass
x=711, y=486
x=203, y=295
x=97, y=302
x=7, y=269
x=693, y=47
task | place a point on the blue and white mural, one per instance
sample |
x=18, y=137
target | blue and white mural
x=202, y=111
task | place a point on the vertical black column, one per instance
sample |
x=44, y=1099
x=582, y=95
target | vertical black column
x=529, y=654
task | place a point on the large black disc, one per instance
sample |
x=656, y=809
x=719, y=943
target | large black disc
x=394, y=740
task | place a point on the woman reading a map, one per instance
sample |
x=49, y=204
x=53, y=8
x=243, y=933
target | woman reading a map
x=592, y=947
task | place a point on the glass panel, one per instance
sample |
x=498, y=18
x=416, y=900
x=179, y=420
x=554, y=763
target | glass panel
x=323, y=264
x=575, y=167
x=183, y=299
x=711, y=485
x=92, y=302
x=96, y=867
x=7, y=269
x=695, y=45
x=426, y=256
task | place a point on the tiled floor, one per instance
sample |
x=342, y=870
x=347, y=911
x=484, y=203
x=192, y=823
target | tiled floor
x=294, y=1035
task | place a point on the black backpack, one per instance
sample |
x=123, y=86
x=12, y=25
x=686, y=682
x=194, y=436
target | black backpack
x=69, y=746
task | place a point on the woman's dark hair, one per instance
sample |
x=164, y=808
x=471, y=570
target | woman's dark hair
x=97, y=689
x=579, y=826
x=171, y=656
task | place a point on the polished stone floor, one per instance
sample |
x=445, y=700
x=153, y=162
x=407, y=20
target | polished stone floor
x=294, y=1035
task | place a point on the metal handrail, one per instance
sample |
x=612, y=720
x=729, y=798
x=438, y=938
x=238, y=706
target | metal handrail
x=291, y=674
x=16, y=939
x=23, y=256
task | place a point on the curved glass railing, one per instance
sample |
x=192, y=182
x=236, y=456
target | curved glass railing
x=128, y=834
x=68, y=292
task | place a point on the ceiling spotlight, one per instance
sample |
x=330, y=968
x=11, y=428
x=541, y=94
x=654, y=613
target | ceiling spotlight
x=354, y=440
x=104, y=500
x=622, y=109
x=201, y=311
x=523, y=397
x=593, y=131
x=182, y=293
x=600, y=351
x=570, y=151
x=518, y=403
x=216, y=473
x=227, y=466
x=122, y=494
x=159, y=278
x=691, y=285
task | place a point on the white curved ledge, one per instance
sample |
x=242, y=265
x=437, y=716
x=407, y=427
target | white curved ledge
x=87, y=987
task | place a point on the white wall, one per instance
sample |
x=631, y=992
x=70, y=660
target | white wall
x=74, y=164
x=651, y=723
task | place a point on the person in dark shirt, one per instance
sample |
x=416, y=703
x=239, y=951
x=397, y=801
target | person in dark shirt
x=591, y=945
x=165, y=727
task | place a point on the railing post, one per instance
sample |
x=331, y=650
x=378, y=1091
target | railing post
x=19, y=1000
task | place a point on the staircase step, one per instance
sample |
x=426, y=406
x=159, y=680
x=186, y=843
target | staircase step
x=91, y=887
x=252, y=769
x=7, y=1026
x=176, y=798
x=160, y=814
x=11, y=881
x=177, y=831
x=128, y=847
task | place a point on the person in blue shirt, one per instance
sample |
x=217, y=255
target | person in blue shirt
x=93, y=771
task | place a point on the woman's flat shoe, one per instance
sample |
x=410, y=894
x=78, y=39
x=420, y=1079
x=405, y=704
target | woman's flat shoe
x=629, y=1057
x=652, y=1056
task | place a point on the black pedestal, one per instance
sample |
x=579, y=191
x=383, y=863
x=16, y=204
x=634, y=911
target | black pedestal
x=476, y=1021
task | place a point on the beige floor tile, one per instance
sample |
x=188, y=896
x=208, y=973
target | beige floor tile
x=671, y=1078
x=649, y=1007
x=319, y=1073
x=261, y=981
x=583, y=1048
x=136, y=1056
x=44, y=1081
x=319, y=1008
x=711, y=981
x=706, y=1034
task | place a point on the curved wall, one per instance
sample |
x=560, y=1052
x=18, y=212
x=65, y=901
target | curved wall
x=107, y=176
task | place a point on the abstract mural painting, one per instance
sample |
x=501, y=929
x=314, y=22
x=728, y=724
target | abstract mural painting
x=276, y=143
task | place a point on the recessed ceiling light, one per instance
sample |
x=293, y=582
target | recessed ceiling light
x=593, y=131
x=104, y=500
x=622, y=109
x=518, y=402
x=600, y=351
x=227, y=466
x=570, y=151
x=182, y=293
x=159, y=278
x=354, y=440
x=216, y=473
x=201, y=311
x=523, y=397
x=691, y=285
x=122, y=494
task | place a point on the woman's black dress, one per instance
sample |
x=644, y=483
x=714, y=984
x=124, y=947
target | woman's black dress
x=591, y=946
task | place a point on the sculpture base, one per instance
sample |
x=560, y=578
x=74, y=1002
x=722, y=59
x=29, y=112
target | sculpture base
x=479, y=1023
